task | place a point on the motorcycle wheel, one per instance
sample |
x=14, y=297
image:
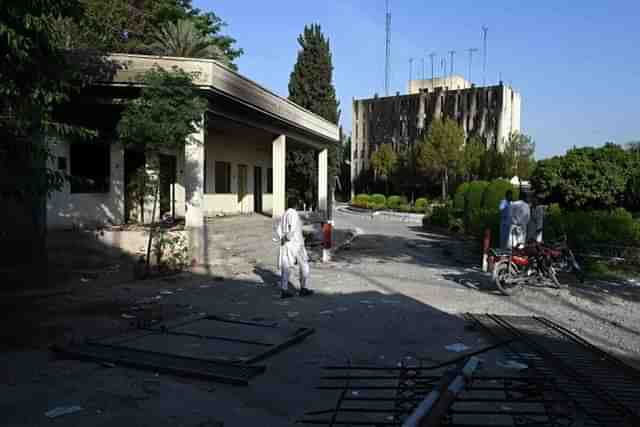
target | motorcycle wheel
x=504, y=281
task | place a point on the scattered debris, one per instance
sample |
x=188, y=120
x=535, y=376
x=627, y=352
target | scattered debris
x=63, y=410
x=326, y=312
x=390, y=301
x=292, y=314
x=457, y=347
x=108, y=364
x=84, y=279
x=342, y=309
x=205, y=286
x=355, y=393
x=512, y=364
x=365, y=301
x=166, y=293
x=127, y=316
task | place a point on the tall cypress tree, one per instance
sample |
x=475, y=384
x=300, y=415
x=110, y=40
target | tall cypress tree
x=311, y=87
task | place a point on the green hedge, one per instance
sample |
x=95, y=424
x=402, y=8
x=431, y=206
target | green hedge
x=377, y=201
x=476, y=194
x=584, y=228
x=496, y=191
x=361, y=201
x=421, y=204
x=458, y=198
x=441, y=216
x=394, y=202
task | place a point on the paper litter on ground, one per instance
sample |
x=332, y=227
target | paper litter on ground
x=512, y=364
x=62, y=410
x=457, y=347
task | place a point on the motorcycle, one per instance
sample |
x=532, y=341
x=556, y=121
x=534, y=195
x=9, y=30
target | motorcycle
x=564, y=260
x=514, y=268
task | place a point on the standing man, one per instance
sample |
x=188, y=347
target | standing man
x=505, y=219
x=292, y=252
x=536, y=224
x=520, y=217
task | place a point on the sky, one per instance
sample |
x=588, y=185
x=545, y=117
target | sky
x=576, y=63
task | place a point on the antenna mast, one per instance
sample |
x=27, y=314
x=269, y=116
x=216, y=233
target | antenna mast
x=432, y=55
x=387, y=65
x=452, y=53
x=484, y=65
x=471, y=52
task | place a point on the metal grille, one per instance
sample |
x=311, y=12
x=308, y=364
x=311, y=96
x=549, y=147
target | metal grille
x=603, y=386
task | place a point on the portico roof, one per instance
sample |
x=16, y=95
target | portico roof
x=231, y=88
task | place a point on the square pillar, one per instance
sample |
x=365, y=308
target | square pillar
x=193, y=176
x=323, y=172
x=279, y=165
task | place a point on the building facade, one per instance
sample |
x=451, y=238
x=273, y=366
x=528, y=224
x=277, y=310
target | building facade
x=237, y=166
x=491, y=113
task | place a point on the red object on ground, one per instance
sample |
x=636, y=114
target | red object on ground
x=326, y=235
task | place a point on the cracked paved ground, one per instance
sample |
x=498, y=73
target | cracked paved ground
x=392, y=295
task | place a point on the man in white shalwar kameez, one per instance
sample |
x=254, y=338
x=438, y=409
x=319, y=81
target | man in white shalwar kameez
x=520, y=217
x=292, y=252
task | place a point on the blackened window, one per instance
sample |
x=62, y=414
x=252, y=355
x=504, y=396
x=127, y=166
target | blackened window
x=223, y=177
x=90, y=167
x=269, y=180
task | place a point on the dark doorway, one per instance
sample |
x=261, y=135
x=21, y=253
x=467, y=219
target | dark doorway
x=134, y=181
x=257, y=189
x=167, y=186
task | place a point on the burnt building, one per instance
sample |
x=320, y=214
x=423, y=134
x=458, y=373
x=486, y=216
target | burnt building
x=491, y=113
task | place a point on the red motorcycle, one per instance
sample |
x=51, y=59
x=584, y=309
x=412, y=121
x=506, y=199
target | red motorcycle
x=513, y=268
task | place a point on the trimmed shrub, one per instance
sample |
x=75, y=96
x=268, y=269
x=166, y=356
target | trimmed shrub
x=405, y=207
x=421, y=204
x=480, y=220
x=495, y=192
x=361, y=201
x=377, y=201
x=458, y=198
x=394, y=202
x=476, y=194
x=441, y=216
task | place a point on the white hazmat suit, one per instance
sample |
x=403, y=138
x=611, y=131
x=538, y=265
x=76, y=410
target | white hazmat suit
x=288, y=233
x=520, y=216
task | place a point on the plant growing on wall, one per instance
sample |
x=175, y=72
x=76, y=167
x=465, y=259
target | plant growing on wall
x=162, y=119
x=441, y=150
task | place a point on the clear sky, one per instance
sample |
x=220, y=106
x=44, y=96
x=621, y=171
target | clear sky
x=576, y=63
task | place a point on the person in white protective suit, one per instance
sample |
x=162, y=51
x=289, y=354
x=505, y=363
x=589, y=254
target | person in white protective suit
x=288, y=233
x=520, y=217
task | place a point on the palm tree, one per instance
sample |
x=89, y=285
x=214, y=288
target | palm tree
x=183, y=39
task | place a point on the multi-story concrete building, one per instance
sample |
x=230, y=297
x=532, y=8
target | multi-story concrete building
x=492, y=113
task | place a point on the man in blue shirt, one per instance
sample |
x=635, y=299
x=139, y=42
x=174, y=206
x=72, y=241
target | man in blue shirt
x=505, y=219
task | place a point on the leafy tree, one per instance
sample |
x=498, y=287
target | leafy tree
x=519, y=155
x=441, y=150
x=164, y=117
x=585, y=177
x=344, y=163
x=384, y=162
x=182, y=38
x=35, y=77
x=129, y=26
x=472, y=154
x=311, y=87
x=493, y=164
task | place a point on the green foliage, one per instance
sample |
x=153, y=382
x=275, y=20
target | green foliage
x=171, y=251
x=472, y=155
x=519, y=155
x=593, y=178
x=421, y=204
x=184, y=39
x=361, y=201
x=165, y=115
x=441, y=150
x=475, y=193
x=377, y=201
x=458, y=198
x=480, y=220
x=441, y=216
x=394, y=202
x=496, y=191
x=384, y=161
x=302, y=176
x=311, y=87
x=587, y=227
x=493, y=164
x=129, y=26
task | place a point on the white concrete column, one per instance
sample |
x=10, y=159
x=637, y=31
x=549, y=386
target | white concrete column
x=193, y=176
x=279, y=165
x=323, y=172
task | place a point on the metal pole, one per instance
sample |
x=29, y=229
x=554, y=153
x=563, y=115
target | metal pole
x=432, y=55
x=452, y=53
x=484, y=65
x=471, y=52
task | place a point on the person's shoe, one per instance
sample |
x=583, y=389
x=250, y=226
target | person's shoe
x=285, y=294
x=304, y=292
